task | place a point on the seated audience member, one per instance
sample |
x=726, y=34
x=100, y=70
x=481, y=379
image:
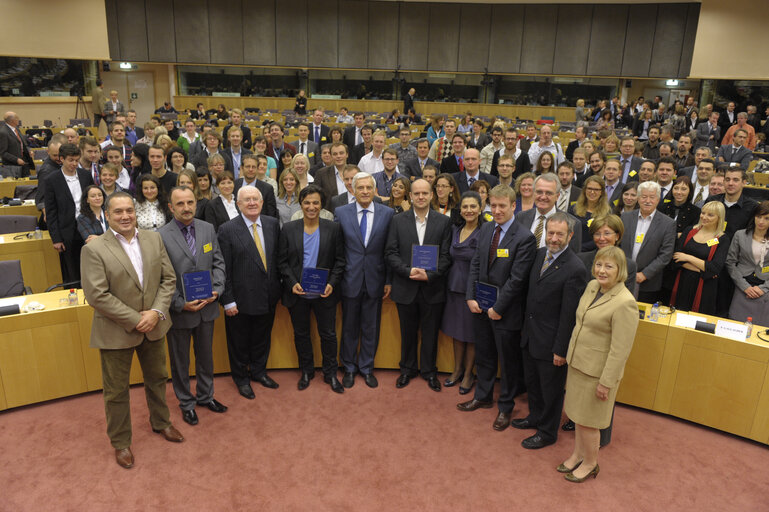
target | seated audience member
x=151, y=206
x=591, y=203
x=189, y=179
x=224, y=206
x=747, y=263
x=736, y=154
x=288, y=196
x=91, y=222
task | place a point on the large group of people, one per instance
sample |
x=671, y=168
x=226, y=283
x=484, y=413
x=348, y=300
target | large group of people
x=529, y=255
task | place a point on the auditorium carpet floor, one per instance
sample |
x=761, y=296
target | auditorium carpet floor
x=369, y=449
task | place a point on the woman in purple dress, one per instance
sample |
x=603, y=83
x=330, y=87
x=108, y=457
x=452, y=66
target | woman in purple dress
x=457, y=318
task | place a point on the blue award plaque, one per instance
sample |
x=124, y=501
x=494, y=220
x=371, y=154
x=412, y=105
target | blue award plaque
x=424, y=257
x=314, y=281
x=197, y=285
x=485, y=295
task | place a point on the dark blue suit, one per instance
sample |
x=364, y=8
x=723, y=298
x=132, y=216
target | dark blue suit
x=362, y=285
x=500, y=339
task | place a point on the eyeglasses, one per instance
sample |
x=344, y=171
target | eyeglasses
x=596, y=190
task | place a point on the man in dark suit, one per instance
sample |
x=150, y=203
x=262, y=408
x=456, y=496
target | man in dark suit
x=249, y=166
x=352, y=134
x=192, y=246
x=63, y=191
x=366, y=281
x=277, y=146
x=306, y=146
x=472, y=173
x=556, y=282
x=580, y=133
x=236, y=121
x=649, y=239
x=629, y=164
x=546, y=192
x=727, y=119
x=503, y=259
x=736, y=153
x=249, y=245
x=234, y=153
x=569, y=192
x=419, y=293
x=408, y=101
x=318, y=130
x=708, y=133
x=521, y=156
x=13, y=147
x=331, y=178
x=612, y=177
x=50, y=164
x=412, y=167
x=364, y=147
x=665, y=176
x=454, y=163
x=531, y=138
x=113, y=108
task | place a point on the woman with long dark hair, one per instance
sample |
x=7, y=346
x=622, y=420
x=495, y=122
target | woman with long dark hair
x=151, y=206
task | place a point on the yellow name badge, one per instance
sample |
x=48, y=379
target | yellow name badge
x=589, y=222
x=310, y=155
x=712, y=242
x=764, y=270
x=639, y=239
x=502, y=253
x=667, y=200
x=208, y=248
x=632, y=173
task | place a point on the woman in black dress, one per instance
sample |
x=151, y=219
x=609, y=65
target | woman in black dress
x=457, y=318
x=700, y=256
x=300, y=107
x=680, y=208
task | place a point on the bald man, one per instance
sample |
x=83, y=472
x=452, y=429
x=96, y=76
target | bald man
x=13, y=147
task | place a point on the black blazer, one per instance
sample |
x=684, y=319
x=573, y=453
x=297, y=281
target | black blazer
x=574, y=144
x=227, y=154
x=323, y=134
x=449, y=164
x=215, y=213
x=400, y=238
x=46, y=168
x=269, y=205
x=348, y=137
x=246, y=142
x=10, y=150
x=483, y=141
x=357, y=153
x=461, y=179
x=522, y=164
x=256, y=290
x=551, y=302
x=525, y=219
x=412, y=170
x=510, y=274
x=291, y=257
x=343, y=199
x=688, y=215
x=60, y=207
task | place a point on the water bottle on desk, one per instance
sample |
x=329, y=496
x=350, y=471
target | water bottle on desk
x=38, y=234
x=72, y=297
x=748, y=327
x=654, y=314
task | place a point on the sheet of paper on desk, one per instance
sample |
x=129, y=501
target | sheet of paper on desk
x=10, y=301
x=690, y=321
x=731, y=330
x=2, y=240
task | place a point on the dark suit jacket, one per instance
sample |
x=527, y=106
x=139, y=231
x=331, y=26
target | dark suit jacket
x=227, y=154
x=656, y=249
x=522, y=164
x=365, y=268
x=525, y=145
x=483, y=141
x=461, y=179
x=703, y=136
x=270, y=151
x=525, y=219
x=246, y=142
x=632, y=175
x=256, y=290
x=411, y=168
x=348, y=137
x=325, y=178
x=357, y=153
x=201, y=157
x=551, y=301
x=343, y=199
x=269, y=206
x=688, y=215
x=400, y=239
x=574, y=144
x=509, y=273
x=215, y=213
x=616, y=194
x=323, y=134
x=60, y=207
x=87, y=226
x=46, y=168
x=449, y=165
x=291, y=257
x=208, y=256
x=11, y=151
x=742, y=156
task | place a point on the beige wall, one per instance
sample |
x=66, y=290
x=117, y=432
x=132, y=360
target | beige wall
x=33, y=110
x=71, y=29
x=732, y=39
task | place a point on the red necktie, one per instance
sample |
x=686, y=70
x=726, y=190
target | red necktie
x=461, y=164
x=494, y=244
x=16, y=133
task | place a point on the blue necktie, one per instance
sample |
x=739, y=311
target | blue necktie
x=190, y=239
x=317, y=134
x=363, y=226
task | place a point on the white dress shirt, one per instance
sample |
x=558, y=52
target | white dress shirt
x=133, y=251
x=640, y=231
x=73, y=183
x=371, y=164
x=533, y=227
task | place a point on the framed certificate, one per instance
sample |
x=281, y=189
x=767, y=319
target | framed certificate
x=197, y=285
x=485, y=295
x=314, y=281
x=424, y=257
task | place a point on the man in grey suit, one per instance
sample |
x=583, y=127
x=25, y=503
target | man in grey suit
x=629, y=164
x=708, y=134
x=649, y=239
x=192, y=246
x=547, y=189
x=306, y=146
x=113, y=107
x=412, y=168
x=736, y=153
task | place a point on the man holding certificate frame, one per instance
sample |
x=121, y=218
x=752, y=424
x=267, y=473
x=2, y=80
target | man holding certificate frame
x=194, y=251
x=311, y=262
x=417, y=251
x=496, y=286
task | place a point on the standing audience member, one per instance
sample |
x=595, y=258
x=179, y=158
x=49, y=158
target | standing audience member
x=91, y=222
x=747, y=265
x=288, y=196
x=151, y=206
x=223, y=207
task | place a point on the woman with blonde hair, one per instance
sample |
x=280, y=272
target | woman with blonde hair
x=301, y=166
x=591, y=203
x=524, y=192
x=580, y=112
x=287, y=200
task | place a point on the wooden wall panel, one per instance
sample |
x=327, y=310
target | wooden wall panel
x=191, y=29
x=607, y=40
x=474, y=37
x=687, y=51
x=539, y=27
x=225, y=31
x=382, y=35
x=113, y=29
x=322, y=33
x=639, y=38
x=161, y=42
x=443, y=42
x=259, y=33
x=132, y=36
x=412, y=36
x=291, y=32
x=572, y=39
x=668, y=40
x=354, y=37
x=506, y=38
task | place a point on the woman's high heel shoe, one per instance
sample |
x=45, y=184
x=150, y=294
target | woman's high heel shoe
x=464, y=391
x=593, y=474
x=563, y=469
x=451, y=383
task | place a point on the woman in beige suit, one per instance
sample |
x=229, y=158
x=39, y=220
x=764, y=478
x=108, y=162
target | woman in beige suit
x=607, y=318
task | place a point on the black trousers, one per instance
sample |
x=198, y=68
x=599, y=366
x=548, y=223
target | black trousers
x=415, y=317
x=545, y=383
x=493, y=346
x=649, y=297
x=69, y=260
x=325, y=315
x=248, y=345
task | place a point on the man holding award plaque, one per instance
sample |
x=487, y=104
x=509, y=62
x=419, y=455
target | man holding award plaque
x=192, y=246
x=417, y=251
x=311, y=262
x=499, y=273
